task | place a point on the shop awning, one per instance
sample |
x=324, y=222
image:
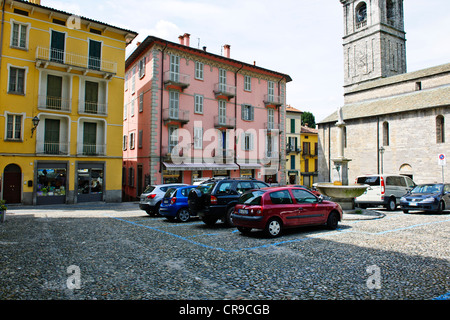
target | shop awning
x=249, y=165
x=200, y=166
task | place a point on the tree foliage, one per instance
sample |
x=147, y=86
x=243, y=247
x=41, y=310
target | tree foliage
x=308, y=119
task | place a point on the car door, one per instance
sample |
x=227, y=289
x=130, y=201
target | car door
x=446, y=196
x=311, y=211
x=282, y=205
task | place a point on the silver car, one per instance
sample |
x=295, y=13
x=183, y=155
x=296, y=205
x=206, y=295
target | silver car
x=150, y=199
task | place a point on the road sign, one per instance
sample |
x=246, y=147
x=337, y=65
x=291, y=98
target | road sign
x=442, y=160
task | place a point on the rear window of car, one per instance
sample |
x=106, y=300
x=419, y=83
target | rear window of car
x=149, y=189
x=251, y=198
x=224, y=187
x=170, y=193
x=281, y=197
x=206, y=187
x=371, y=181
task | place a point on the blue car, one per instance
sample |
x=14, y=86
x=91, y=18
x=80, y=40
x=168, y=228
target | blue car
x=427, y=197
x=174, y=205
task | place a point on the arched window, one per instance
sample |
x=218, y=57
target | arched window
x=361, y=15
x=440, y=132
x=385, y=133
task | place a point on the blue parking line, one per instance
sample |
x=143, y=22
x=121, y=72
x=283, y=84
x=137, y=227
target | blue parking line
x=338, y=231
x=443, y=297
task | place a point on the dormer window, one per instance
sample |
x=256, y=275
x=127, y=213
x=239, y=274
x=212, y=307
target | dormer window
x=361, y=15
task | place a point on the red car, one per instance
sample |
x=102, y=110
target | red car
x=273, y=209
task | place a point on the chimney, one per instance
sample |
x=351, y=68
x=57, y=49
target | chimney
x=227, y=50
x=181, y=40
x=186, y=39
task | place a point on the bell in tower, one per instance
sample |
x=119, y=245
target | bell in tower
x=374, y=40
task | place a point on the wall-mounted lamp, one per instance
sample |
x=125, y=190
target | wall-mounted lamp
x=35, y=124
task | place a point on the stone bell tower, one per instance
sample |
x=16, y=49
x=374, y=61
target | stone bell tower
x=374, y=40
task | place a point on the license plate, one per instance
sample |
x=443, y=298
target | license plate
x=243, y=211
x=413, y=204
x=166, y=201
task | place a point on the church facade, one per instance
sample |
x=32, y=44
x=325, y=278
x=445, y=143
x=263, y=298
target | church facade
x=396, y=122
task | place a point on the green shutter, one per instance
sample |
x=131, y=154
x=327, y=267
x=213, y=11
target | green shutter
x=91, y=97
x=51, y=136
x=54, y=92
x=89, y=138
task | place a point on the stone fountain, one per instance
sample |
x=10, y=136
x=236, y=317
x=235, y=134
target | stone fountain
x=339, y=190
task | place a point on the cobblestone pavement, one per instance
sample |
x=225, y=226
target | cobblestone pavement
x=116, y=251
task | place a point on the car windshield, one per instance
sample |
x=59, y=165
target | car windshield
x=252, y=198
x=206, y=187
x=427, y=188
x=170, y=193
x=149, y=189
x=371, y=181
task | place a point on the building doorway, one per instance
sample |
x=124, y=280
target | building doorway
x=12, y=184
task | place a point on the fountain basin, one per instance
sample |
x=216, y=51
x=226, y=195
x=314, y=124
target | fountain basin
x=340, y=191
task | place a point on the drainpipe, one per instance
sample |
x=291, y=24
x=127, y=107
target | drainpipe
x=280, y=135
x=235, y=115
x=161, y=113
x=378, y=145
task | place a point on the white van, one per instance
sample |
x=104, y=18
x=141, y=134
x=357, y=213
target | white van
x=384, y=190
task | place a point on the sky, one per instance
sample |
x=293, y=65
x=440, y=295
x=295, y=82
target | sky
x=297, y=37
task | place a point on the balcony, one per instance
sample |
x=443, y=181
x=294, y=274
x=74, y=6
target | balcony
x=52, y=148
x=68, y=60
x=295, y=149
x=53, y=103
x=91, y=149
x=222, y=90
x=175, y=116
x=176, y=80
x=224, y=122
x=272, y=127
x=221, y=155
x=95, y=108
x=272, y=100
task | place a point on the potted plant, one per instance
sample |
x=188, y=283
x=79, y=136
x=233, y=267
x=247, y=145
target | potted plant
x=3, y=209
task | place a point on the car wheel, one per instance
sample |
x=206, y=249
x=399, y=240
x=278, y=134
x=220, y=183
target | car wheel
x=332, y=221
x=273, y=228
x=228, y=219
x=405, y=211
x=183, y=215
x=392, y=205
x=441, y=207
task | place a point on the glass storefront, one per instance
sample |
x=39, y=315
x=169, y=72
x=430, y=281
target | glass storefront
x=90, y=182
x=51, y=183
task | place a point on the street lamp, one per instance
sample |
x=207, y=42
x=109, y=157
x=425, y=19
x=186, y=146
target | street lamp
x=35, y=124
x=381, y=150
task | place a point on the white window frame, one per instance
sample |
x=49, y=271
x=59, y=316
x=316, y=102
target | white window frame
x=27, y=32
x=141, y=67
x=133, y=80
x=199, y=67
x=222, y=79
x=222, y=112
x=174, y=67
x=124, y=142
x=271, y=90
x=270, y=118
x=141, y=102
x=198, y=103
x=198, y=138
x=173, y=137
x=132, y=140
x=24, y=79
x=174, y=104
x=247, y=83
x=14, y=115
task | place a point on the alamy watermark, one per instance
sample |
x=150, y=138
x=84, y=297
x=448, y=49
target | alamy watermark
x=374, y=280
x=74, y=280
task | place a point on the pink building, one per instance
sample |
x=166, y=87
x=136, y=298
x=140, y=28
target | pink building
x=191, y=115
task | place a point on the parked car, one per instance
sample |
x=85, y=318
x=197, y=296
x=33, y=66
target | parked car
x=274, y=209
x=427, y=197
x=174, y=204
x=150, y=199
x=384, y=190
x=215, y=199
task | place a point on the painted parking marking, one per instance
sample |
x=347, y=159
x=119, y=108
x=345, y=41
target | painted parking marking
x=315, y=235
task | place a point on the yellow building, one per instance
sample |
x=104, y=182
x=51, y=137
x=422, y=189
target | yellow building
x=61, y=102
x=309, y=156
x=293, y=145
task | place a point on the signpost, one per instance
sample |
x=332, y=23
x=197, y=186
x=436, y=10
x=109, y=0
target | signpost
x=442, y=161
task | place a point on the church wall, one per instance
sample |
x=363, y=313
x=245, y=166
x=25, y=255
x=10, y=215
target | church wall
x=412, y=142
